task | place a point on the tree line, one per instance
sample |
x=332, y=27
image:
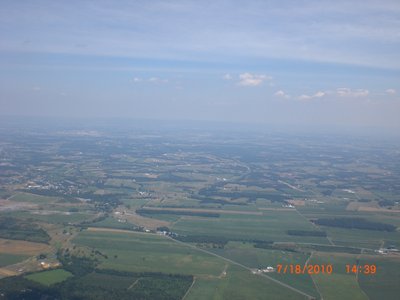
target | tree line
x=355, y=223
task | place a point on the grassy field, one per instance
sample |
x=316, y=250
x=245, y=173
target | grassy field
x=108, y=281
x=357, y=237
x=37, y=199
x=360, y=238
x=252, y=257
x=163, y=217
x=115, y=285
x=22, y=247
x=139, y=252
x=49, y=277
x=9, y=259
x=385, y=283
x=111, y=222
x=239, y=284
x=53, y=217
x=339, y=284
x=271, y=226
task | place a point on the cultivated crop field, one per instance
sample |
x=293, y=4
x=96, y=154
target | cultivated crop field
x=272, y=225
x=49, y=277
x=141, y=252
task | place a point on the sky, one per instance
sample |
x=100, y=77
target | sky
x=278, y=63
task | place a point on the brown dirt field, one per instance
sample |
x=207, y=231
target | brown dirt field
x=11, y=205
x=369, y=207
x=297, y=202
x=4, y=272
x=218, y=211
x=103, y=229
x=276, y=209
x=22, y=247
x=143, y=221
x=376, y=209
x=352, y=206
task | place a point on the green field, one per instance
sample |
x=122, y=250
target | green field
x=271, y=226
x=360, y=238
x=111, y=222
x=54, y=218
x=357, y=237
x=49, y=277
x=339, y=286
x=385, y=283
x=328, y=283
x=163, y=217
x=33, y=198
x=239, y=284
x=108, y=284
x=139, y=252
x=9, y=259
x=252, y=257
x=12, y=228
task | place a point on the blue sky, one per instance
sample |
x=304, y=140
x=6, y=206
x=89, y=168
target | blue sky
x=285, y=63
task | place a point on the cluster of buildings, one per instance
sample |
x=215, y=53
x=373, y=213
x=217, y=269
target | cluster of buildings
x=268, y=269
x=49, y=265
x=65, y=187
x=390, y=249
x=288, y=206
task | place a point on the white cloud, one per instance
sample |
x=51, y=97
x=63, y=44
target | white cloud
x=318, y=94
x=37, y=88
x=157, y=80
x=227, y=76
x=247, y=79
x=281, y=94
x=339, y=92
x=151, y=79
x=304, y=97
x=347, y=92
x=390, y=91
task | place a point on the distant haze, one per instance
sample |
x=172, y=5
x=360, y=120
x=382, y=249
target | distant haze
x=311, y=64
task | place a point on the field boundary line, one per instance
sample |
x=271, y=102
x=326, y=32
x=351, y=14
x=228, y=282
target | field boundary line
x=134, y=283
x=203, y=210
x=116, y=230
x=190, y=287
x=328, y=238
x=291, y=186
x=312, y=279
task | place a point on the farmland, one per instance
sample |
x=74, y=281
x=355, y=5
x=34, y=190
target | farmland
x=10, y=259
x=148, y=253
x=49, y=277
x=272, y=225
x=200, y=215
